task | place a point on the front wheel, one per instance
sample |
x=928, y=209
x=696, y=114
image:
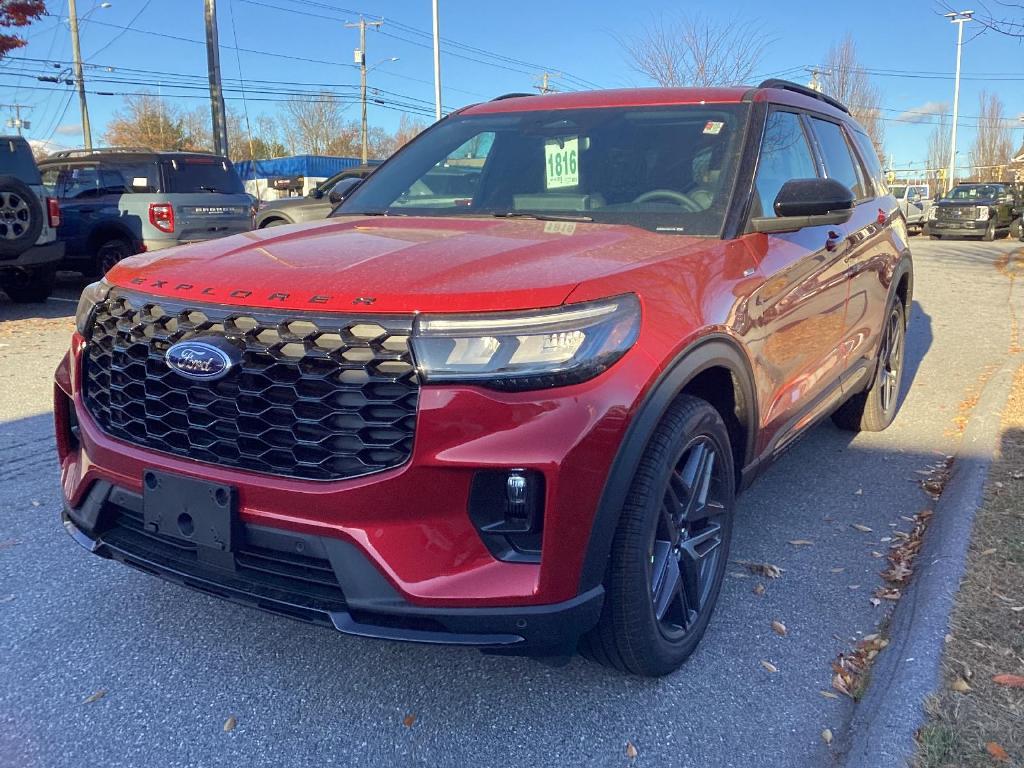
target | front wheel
x=29, y=286
x=671, y=546
x=990, y=232
x=874, y=409
x=110, y=253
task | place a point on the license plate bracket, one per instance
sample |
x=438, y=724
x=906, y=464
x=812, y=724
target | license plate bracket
x=190, y=510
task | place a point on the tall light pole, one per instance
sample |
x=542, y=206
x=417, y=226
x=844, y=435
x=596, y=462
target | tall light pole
x=437, y=66
x=360, y=59
x=76, y=56
x=959, y=19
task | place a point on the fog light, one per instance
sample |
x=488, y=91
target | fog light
x=507, y=508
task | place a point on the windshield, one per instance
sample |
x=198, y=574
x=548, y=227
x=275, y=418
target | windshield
x=666, y=169
x=16, y=160
x=201, y=174
x=975, y=192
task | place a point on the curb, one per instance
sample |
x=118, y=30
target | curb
x=886, y=718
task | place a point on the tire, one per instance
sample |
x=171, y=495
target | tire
x=671, y=546
x=874, y=409
x=274, y=223
x=1015, y=229
x=109, y=253
x=25, y=286
x=21, y=217
x=935, y=237
x=990, y=232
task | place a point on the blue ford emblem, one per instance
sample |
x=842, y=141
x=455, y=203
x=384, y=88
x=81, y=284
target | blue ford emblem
x=203, y=360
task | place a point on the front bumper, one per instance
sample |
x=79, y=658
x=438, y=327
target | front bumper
x=958, y=228
x=320, y=580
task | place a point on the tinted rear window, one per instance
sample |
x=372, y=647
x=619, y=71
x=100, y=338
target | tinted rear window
x=16, y=160
x=201, y=174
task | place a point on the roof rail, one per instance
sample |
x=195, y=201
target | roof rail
x=512, y=96
x=66, y=153
x=786, y=85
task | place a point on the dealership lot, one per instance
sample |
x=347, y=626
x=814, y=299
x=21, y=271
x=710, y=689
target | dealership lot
x=175, y=664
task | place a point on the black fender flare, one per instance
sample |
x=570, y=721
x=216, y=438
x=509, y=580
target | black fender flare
x=110, y=230
x=707, y=352
x=261, y=222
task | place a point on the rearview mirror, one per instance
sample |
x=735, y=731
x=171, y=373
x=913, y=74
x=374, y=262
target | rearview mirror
x=807, y=203
x=343, y=189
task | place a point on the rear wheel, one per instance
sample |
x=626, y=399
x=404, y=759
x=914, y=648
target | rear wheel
x=21, y=217
x=990, y=232
x=874, y=409
x=110, y=252
x=274, y=223
x=29, y=286
x=671, y=546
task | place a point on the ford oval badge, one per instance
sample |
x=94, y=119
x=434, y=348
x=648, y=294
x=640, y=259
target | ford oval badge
x=201, y=360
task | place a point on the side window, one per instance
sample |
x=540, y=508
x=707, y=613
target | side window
x=839, y=162
x=79, y=182
x=137, y=177
x=51, y=179
x=785, y=155
x=870, y=159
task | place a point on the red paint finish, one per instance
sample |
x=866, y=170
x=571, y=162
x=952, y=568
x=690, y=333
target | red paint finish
x=802, y=308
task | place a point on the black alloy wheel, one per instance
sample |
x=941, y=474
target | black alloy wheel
x=687, y=543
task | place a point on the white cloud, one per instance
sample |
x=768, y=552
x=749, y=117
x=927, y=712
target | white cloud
x=70, y=129
x=925, y=112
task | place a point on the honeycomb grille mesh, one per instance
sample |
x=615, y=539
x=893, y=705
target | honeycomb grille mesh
x=321, y=398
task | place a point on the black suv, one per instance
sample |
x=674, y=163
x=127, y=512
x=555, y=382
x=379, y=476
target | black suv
x=975, y=210
x=123, y=200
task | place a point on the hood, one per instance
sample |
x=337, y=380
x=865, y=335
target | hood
x=399, y=264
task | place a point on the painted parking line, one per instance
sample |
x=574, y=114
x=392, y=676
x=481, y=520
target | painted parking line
x=58, y=298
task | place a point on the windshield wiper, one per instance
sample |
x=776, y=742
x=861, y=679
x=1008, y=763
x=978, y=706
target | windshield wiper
x=540, y=216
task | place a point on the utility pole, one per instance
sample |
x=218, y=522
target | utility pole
x=437, y=65
x=16, y=121
x=360, y=59
x=815, y=84
x=545, y=82
x=959, y=19
x=220, y=126
x=76, y=56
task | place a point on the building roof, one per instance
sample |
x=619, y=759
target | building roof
x=296, y=165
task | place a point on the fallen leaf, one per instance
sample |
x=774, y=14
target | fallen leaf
x=1013, y=681
x=997, y=752
x=409, y=720
x=759, y=589
x=779, y=627
x=875, y=554
x=836, y=570
x=875, y=601
x=859, y=492
x=960, y=685
x=987, y=552
x=631, y=752
x=96, y=696
x=801, y=543
x=826, y=736
x=762, y=569
x=860, y=527
x=6, y=599
x=769, y=666
x=828, y=694
x=35, y=502
x=230, y=723
x=853, y=586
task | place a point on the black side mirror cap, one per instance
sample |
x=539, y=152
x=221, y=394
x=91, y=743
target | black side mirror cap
x=807, y=203
x=343, y=189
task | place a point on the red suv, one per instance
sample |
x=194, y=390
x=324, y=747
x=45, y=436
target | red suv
x=506, y=396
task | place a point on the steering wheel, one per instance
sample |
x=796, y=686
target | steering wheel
x=670, y=195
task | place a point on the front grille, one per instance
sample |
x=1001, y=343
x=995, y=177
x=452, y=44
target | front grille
x=322, y=398
x=957, y=212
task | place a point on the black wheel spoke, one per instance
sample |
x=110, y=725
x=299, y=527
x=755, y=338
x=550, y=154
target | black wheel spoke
x=666, y=580
x=693, y=554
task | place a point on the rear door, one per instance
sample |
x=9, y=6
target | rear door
x=798, y=312
x=208, y=197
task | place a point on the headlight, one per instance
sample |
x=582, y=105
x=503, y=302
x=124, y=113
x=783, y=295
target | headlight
x=983, y=213
x=92, y=295
x=527, y=350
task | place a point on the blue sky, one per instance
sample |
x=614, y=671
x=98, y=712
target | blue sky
x=574, y=37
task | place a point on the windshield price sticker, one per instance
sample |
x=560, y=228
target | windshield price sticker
x=561, y=159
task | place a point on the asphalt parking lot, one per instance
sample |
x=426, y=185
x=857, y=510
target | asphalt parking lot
x=175, y=665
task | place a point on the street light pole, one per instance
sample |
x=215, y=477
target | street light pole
x=437, y=66
x=76, y=56
x=959, y=19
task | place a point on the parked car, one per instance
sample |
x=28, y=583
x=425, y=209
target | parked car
x=29, y=217
x=314, y=206
x=516, y=420
x=915, y=201
x=974, y=210
x=122, y=200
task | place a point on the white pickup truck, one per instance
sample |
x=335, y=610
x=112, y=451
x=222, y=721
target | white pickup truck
x=914, y=200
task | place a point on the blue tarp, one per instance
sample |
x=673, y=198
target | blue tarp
x=298, y=165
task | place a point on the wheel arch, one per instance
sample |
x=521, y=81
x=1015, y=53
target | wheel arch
x=110, y=230
x=275, y=216
x=702, y=370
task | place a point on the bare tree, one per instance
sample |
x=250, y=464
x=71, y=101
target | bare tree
x=938, y=153
x=144, y=120
x=310, y=126
x=844, y=78
x=993, y=144
x=695, y=51
x=408, y=129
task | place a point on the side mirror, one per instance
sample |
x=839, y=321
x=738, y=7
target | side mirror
x=807, y=203
x=915, y=198
x=343, y=189
x=316, y=193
